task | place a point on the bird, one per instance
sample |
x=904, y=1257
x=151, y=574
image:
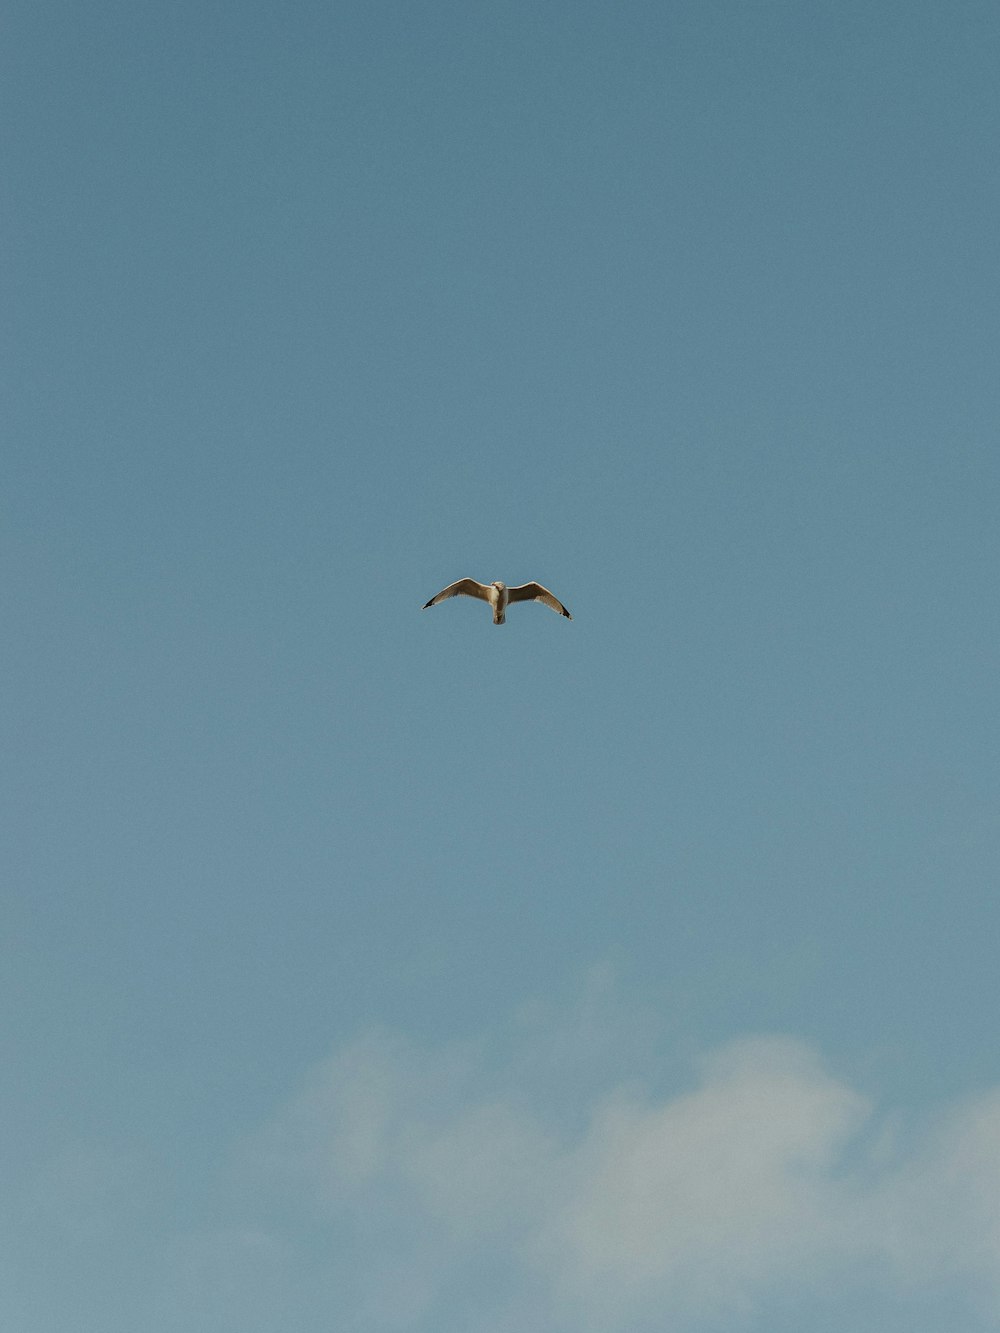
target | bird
x=499, y=596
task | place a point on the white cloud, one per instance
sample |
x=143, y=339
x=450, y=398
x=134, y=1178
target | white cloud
x=765, y=1178
x=942, y=1204
x=696, y=1201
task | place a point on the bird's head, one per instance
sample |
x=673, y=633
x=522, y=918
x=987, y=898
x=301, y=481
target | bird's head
x=498, y=585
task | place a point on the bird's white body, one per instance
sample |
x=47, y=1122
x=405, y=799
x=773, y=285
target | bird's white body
x=500, y=596
x=498, y=601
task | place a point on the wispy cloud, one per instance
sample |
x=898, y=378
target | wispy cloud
x=765, y=1178
x=566, y=1173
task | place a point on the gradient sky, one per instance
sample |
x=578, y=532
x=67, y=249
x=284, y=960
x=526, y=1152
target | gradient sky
x=369, y=969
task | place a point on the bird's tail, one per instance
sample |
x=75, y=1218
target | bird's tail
x=499, y=617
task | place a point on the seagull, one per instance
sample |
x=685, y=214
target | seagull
x=499, y=596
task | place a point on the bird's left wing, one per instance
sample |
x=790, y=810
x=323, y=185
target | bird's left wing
x=534, y=592
x=466, y=587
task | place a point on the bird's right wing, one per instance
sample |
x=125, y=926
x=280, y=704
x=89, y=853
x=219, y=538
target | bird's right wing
x=463, y=588
x=534, y=592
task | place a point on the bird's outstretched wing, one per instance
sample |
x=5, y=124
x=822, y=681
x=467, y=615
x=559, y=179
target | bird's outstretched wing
x=463, y=588
x=534, y=592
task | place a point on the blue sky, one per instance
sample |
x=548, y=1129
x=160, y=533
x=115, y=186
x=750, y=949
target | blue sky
x=372, y=969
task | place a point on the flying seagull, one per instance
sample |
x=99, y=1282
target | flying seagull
x=500, y=596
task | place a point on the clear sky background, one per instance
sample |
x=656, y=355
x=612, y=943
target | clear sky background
x=369, y=969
